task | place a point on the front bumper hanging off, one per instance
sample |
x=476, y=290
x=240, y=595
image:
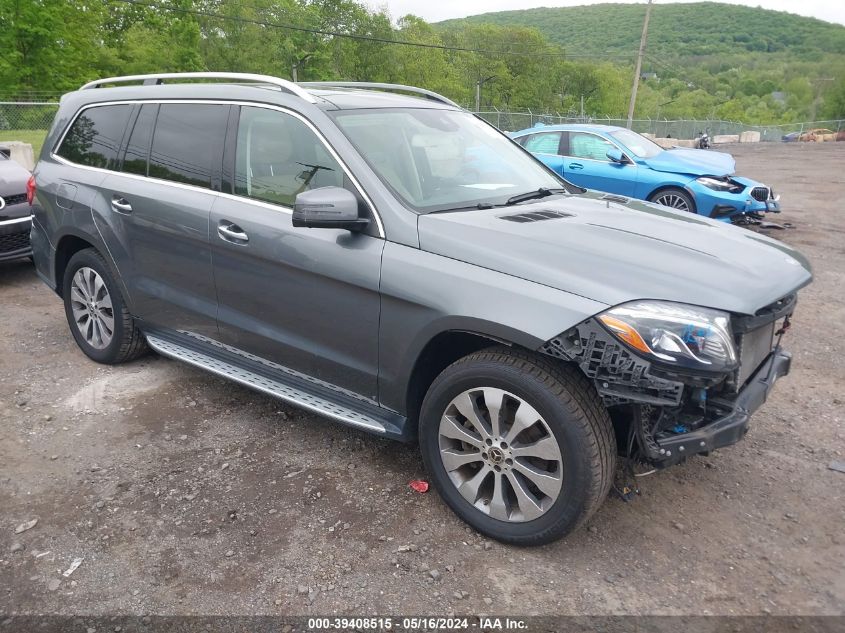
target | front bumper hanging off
x=732, y=426
x=628, y=383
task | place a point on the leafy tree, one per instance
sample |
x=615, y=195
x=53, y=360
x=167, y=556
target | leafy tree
x=712, y=60
x=49, y=45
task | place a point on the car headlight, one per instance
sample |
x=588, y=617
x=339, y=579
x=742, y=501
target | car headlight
x=674, y=333
x=720, y=184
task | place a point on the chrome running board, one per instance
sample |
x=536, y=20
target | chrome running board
x=286, y=386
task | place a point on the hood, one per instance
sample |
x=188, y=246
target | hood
x=13, y=178
x=697, y=162
x=613, y=253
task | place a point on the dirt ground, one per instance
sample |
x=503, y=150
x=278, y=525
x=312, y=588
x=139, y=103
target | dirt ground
x=186, y=494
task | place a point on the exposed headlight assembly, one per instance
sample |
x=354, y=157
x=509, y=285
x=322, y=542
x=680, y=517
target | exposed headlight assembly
x=720, y=184
x=681, y=335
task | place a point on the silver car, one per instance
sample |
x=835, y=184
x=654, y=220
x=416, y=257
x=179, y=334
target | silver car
x=14, y=210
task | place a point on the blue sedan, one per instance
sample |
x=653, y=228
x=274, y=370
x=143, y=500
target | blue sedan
x=617, y=160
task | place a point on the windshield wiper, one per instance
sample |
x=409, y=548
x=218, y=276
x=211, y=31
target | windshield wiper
x=542, y=192
x=472, y=207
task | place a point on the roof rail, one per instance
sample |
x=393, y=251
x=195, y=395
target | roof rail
x=158, y=78
x=428, y=94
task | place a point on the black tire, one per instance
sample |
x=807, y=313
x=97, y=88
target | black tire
x=573, y=411
x=664, y=195
x=127, y=341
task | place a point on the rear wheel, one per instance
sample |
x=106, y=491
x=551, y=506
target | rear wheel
x=96, y=312
x=518, y=446
x=674, y=198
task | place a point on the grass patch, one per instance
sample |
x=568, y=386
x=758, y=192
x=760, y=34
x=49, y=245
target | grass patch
x=33, y=137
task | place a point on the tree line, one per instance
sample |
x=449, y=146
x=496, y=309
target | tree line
x=53, y=46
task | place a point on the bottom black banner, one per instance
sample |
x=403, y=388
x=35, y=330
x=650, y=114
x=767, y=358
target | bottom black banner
x=408, y=624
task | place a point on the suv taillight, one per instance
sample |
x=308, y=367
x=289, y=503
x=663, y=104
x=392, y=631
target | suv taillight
x=30, y=190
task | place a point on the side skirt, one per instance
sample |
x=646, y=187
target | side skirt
x=280, y=382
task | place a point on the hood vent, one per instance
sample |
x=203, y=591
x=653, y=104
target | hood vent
x=535, y=216
x=614, y=198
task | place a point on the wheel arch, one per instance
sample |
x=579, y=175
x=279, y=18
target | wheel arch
x=676, y=186
x=70, y=243
x=67, y=246
x=440, y=351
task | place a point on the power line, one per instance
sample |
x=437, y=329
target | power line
x=674, y=69
x=367, y=38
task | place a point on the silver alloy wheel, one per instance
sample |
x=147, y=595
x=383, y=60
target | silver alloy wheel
x=500, y=454
x=672, y=200
x=92, y=307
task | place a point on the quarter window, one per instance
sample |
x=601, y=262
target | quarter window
x=543, y=143
x=278, y=157
x=188, y=143
x=94, y=138
x=590, y=146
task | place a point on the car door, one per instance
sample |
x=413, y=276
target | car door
x=586, y=164
x=546, y=147
x=307, y=299
x=157, y=213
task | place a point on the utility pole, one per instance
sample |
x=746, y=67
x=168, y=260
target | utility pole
x=633, y=101
x=478, y=85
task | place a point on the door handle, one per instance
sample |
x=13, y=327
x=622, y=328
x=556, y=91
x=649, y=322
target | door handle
x=232, y=233
x=576, y=166
x=121, y=205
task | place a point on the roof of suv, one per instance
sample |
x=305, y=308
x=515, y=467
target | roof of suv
x=355, y=98
x=326, y=95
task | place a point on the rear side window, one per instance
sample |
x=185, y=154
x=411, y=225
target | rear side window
x=188, y=143
x=138, y=147
x=94, y=138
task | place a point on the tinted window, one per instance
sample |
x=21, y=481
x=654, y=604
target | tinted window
x=589, y=146
x=138, y=147
x=543, y=143
x=94, y=138
x=278, y=157
x=188, y=143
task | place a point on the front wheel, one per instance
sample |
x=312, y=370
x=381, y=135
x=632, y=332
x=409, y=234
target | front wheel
x=519, y=446
x=675, y=198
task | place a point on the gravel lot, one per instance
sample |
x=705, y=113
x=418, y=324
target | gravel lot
x=186, y=494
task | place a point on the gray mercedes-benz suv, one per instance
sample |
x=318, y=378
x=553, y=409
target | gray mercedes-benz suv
x=395, y=263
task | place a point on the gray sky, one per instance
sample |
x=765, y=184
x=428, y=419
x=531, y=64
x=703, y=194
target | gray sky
x=434, y=10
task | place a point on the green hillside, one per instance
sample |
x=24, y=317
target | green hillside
x=710, y=59
x=677, y=30
x=705, y=60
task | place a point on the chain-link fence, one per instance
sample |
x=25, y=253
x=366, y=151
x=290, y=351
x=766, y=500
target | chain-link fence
x=27, y=115
x=30, y=121
x=680, y=129
x=26, y=121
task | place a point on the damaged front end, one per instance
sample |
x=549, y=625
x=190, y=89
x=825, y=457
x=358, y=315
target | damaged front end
x=679, y=380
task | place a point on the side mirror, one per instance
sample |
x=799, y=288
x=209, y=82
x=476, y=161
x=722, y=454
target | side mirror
x=328, y=208
x=615, y=155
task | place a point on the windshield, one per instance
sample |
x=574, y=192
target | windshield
x=436, y=160
x=639, y=145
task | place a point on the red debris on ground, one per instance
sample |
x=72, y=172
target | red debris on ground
x=419, y=485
